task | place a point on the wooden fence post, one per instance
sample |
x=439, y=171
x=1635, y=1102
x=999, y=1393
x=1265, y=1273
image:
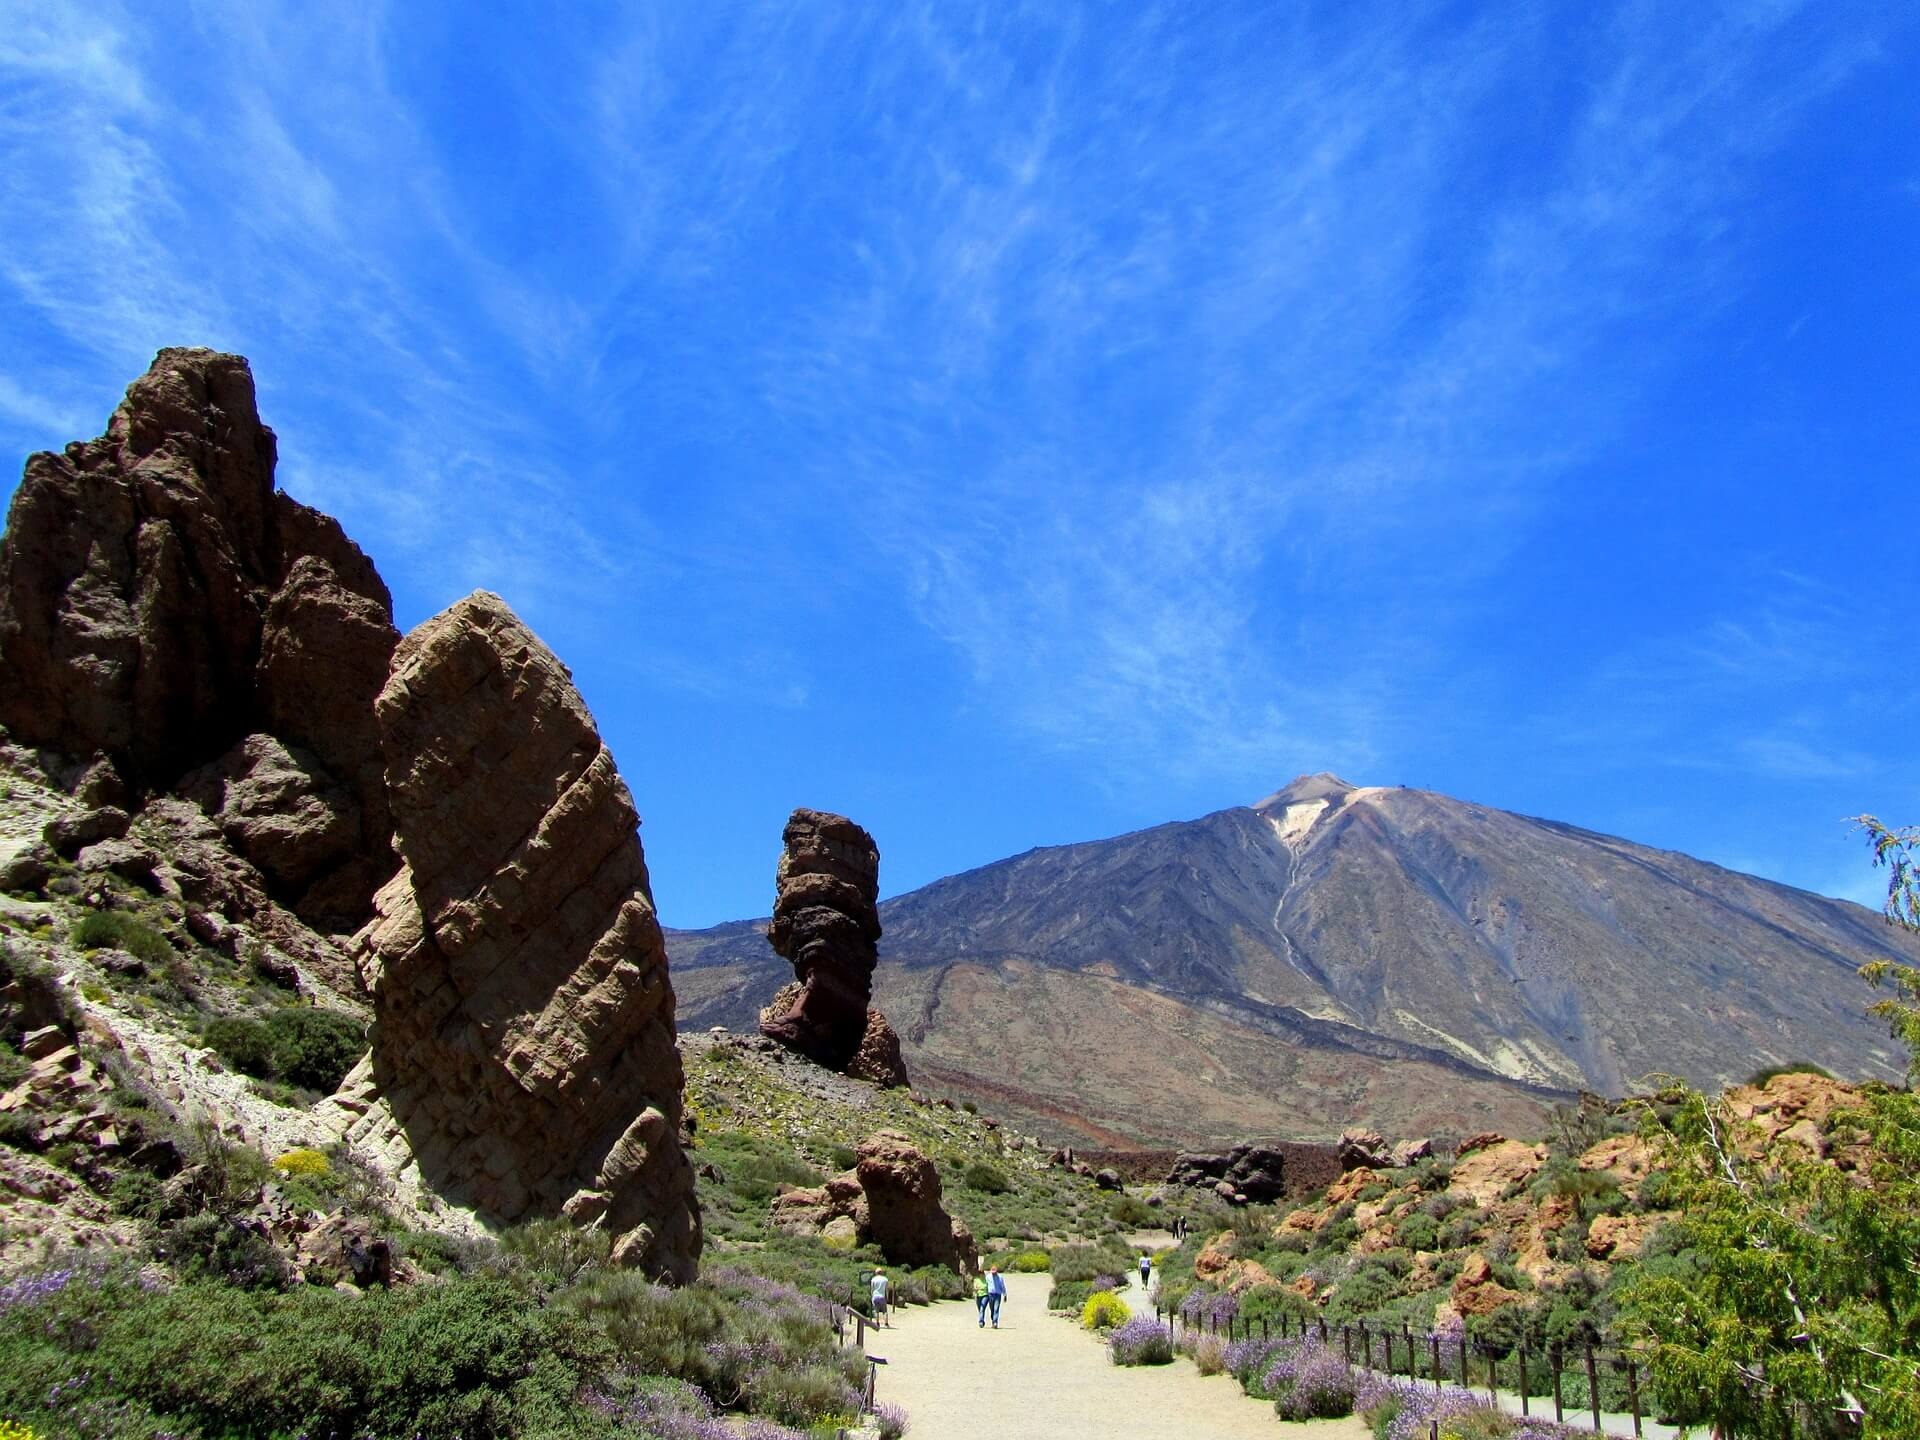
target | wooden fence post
x=1523, y=1382
x=1433, y=1342
x=1633, y=1394
x=1593, y=1388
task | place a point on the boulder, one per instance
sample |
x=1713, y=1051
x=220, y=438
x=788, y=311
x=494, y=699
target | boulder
x=523, y=1032
x=159, y=600
x=68, y=835
x=1488, y=1172
x=1411, y=1152
x=281, y=808
x=878, y=1059
x=826, y=922
x=1477, y=1292
x=1367, y=1148
x=891, y=1198
x=1107, y=1179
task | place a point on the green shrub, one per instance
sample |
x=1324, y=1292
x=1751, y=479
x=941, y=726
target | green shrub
x=297, y=1045
x=314, y=1048
x=1030, y=1262
x=1418, y=1231
x=1104, y=1310
x=985, y=1178
x=844, y=1157
x=1132, y=1210
x=1069, y=1295
x=135, y=1193
x=242, y=1042
x=117, y=930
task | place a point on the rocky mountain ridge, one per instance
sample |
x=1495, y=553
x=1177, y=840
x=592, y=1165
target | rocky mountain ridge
x=1336, y=955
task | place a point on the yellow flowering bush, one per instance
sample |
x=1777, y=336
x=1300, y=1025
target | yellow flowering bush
x=1103, y=1311
x=307, y=1164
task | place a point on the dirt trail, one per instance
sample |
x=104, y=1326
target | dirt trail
x=1041, y=1375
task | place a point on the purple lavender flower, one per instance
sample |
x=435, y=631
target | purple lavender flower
x=892, y=1420
x=1141, y=1341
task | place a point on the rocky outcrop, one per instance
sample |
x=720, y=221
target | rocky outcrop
x=1359, y=1146
x=160, y=602
x=878, y=1058
x=826, y=922
x=1258, y=1173
x=892, y=1198
x=524, y=1020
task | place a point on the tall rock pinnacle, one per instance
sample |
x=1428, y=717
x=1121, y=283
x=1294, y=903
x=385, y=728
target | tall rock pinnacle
x=826, y=921
x=524, y=1019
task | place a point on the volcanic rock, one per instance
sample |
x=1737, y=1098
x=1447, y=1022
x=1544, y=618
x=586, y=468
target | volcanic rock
x=1262, y=1172
x=524, y=1020
x=159, y=600
x=892, y=1196
x=826, y=922
x=1364, y=1147
x=878, y=1059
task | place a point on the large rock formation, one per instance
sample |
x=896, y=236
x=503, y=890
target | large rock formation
x=1260, y=1172
x=163, y=608
x=891, y=1198
x=524, y=1021
x=826, y=922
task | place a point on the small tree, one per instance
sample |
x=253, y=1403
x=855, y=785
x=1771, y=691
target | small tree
x=1804, y=1316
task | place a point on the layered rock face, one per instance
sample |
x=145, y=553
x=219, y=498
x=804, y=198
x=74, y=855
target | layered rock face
x=163, y=608
x=826, y=922
x=524, y=1020
x=891, y=1198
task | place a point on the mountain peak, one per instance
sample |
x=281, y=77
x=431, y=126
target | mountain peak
x=1302, y=789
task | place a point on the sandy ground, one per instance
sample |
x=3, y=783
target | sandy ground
x=1041, y=1375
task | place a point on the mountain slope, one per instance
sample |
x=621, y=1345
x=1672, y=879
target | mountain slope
x=1339, y=954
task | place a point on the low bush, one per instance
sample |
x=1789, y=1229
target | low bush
x=1140, y=1341
x=1208, y=1352
x=1069, y=1295
x=117, y=930
x=304, y=1164
x=1132, y=1210
x=1030, y=1262
x=297, y=1044
x=985, y=1178
x=1103, y=1311
x=1308, y=1380
x=314, y=1048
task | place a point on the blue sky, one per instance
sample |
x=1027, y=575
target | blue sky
x=1018, y=424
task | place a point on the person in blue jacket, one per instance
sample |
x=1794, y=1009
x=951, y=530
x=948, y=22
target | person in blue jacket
x=996, y=1293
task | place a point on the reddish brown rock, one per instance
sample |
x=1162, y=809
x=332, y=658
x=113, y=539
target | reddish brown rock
x=892, y=1196
x=878, y=1059
x=1477, y=1292
x=826, y=921
x=524, y=1020
x=159, y=600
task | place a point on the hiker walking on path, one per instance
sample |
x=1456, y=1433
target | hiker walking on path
x=1146, y=1272
x=996, y=1293
x=980, y=1297
x=878, y=1289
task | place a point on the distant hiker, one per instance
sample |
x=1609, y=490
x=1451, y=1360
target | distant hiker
x=1146, y=1271
x=980, y=1295
x=996, y=1293
x=878, y=1289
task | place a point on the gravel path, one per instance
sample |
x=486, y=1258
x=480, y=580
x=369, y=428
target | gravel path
x=1041, y=1375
